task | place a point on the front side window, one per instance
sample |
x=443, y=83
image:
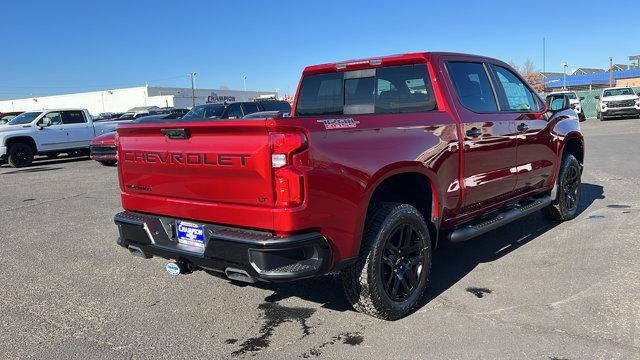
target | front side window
x=55, y=118
x=517, y=94
x=472, y=86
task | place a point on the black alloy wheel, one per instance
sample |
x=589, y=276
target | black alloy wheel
x=402, y=260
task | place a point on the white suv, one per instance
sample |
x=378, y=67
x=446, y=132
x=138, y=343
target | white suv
x=575, y=101
x=621, y=101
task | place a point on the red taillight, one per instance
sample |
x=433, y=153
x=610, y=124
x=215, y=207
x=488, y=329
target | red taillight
x=288, y=181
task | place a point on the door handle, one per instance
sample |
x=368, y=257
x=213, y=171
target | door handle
x=523, y=127
x=474, y=132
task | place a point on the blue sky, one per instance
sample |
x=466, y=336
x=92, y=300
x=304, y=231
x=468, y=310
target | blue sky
x=54, y=47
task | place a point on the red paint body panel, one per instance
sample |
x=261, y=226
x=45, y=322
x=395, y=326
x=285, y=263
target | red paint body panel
x=341, y=168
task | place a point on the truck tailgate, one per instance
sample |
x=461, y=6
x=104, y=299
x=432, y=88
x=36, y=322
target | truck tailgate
x=207, y=162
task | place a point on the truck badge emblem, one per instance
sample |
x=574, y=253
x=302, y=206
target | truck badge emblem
x=347, y=123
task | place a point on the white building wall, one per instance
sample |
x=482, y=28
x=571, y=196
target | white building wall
x=120, y=100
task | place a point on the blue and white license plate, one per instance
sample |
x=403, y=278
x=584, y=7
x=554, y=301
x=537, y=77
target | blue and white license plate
x=190, y=234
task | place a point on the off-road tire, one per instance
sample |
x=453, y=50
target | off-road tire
x=582, y=117
x=563, y=209
x=363, y=282
x=20, y=155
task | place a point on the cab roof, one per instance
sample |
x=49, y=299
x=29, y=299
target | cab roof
x=390, y=60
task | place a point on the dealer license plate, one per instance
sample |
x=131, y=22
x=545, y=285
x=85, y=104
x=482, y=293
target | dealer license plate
x=190, y=234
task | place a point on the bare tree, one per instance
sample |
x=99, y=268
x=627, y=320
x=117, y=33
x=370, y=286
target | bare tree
x=530, y=74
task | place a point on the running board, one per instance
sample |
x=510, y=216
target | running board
x=503, y=218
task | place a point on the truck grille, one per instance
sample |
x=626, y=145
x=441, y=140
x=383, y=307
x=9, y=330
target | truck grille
x=620, y=104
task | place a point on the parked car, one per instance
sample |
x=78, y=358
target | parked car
x=48, y=132
x=576, y=102
x=236, y=110
x=7, y=116
x=381, y=159
x=616, y=102
x=178, y=112
x=103, y=148
x=107, y=116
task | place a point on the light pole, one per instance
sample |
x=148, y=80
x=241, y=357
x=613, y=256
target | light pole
x=244, y=82
x=193, y=88
x=564, y=66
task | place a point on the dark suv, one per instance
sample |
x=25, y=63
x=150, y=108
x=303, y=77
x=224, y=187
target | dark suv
x=236, y=110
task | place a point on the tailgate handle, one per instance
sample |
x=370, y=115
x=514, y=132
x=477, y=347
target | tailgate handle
x=175, y=133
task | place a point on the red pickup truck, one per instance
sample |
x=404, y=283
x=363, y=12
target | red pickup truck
x=381, y=159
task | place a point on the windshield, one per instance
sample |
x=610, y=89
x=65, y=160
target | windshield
x=204, y=112
x=24, y=118
x=616, y=92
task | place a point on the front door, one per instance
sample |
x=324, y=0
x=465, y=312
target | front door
x=54, y=136
x=489, y=138
x=536, y=156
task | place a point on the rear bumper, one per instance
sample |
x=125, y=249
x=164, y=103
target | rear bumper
x=261, y=255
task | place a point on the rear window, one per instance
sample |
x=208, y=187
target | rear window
x=396, y=89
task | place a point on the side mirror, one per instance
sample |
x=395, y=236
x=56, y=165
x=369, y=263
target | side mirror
x=557, y=103
x=581, y=98
x=46, y=122
x=597, y=97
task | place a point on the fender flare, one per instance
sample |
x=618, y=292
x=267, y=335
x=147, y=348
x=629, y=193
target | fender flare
x=387, y=172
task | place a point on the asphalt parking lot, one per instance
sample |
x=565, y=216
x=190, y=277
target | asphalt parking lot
x=534, y=289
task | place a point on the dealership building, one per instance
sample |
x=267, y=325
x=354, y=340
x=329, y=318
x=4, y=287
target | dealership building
x=121, y=100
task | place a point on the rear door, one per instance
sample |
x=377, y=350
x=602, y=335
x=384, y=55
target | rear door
x=489, y=155
x=79, y=131
x=535, y=155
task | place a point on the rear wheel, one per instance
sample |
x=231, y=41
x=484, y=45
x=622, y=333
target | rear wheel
x=20, y=155
x=392, y=272
x=565, y=206
x=581, y=117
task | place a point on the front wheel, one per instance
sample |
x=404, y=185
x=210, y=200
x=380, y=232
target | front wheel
x=392, y=272
x=20, y=155
x=565, y=205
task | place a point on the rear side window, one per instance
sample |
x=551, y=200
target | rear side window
x=517, y=94
x=387, y=90
x=73, y=117
x=404, y=89
x=472, y=86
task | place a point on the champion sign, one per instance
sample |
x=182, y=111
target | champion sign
x=190, y=234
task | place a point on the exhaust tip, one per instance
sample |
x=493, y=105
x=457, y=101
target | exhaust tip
x=239, y=275
x=136, y=251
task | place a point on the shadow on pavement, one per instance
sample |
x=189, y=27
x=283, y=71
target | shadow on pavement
x=451, y=262
x=44, y=161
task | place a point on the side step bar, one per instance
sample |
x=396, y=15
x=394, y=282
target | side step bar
x=471, y=231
